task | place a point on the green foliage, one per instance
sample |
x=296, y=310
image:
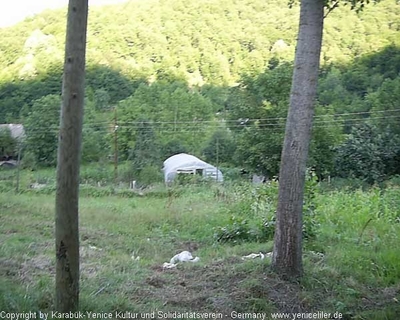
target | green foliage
x=237, y=230
x=193, y=70
x=145, y=151
x=385, y=105
x=102, y=99
x=8, y=144
x=253, y=213
x=149, y=175
x=201, y=44
x=311, y=221
x=29, y=160
x=368, y=154
x=183, y=179
x=17, y=97
x=95, y=134
x=354, y=268
x=176, y=113
x=257, y=110
x=172, y=147
x=97, y=174
x=41, y=126
x=220, y=148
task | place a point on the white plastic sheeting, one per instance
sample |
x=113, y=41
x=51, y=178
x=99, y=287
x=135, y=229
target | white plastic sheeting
x=257, y=255
x=17, y=130
x=184, y=256
x=187, y=164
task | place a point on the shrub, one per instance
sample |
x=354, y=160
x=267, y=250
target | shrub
x=236, y=231
x=149, y=175
x=253, y=211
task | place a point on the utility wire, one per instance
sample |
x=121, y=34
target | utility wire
x=256, y=123
x=195, y=129
x=108, y=122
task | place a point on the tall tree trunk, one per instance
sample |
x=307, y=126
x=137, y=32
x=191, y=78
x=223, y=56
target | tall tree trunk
x=287, y=254
x=69, y=154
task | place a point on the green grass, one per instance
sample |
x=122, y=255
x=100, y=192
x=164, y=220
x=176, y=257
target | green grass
x=352, y=264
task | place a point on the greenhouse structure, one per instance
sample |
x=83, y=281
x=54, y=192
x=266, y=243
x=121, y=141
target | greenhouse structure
x=187, y=164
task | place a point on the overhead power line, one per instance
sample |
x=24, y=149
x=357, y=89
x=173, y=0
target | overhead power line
x=109, y=122
x=256, y=123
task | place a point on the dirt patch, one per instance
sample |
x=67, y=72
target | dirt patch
x=284, y=295
x=42, y=264
x=156, y=281
x=8, y=268
x=379, y=298
x=191, y=287
x=39, y=264
x=233, y=285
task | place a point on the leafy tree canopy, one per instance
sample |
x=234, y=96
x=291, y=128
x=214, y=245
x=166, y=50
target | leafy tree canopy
x=212, y=42
x=202, y=75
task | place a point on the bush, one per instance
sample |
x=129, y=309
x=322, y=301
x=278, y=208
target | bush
x=28, y=161
x=348, y=184
x=100, y=173
x=368, y=154
x=253, y=213
x=236, y=231
x=149, y=175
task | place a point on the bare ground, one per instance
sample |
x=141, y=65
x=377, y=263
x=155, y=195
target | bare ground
x=222, y=286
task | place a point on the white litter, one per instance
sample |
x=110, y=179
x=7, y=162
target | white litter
x=95, y=248
x=257, y=255
x=317, y=254
x=134, y=258
x=168, y=265
x=184, y=256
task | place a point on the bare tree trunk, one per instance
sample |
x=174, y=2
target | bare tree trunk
x=287, y=255
x=69, y=154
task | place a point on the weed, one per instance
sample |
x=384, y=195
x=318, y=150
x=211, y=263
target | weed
x=237, y=230
x=354, y=267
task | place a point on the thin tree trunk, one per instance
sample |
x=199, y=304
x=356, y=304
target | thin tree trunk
x=287, y=254
x=69, y=154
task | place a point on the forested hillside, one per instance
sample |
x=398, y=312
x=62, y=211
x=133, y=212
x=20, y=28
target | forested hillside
x=211, y=78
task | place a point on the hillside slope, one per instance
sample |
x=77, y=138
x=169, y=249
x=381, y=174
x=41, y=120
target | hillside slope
x=210, y=41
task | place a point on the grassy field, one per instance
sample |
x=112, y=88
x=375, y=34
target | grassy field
x=351, y=251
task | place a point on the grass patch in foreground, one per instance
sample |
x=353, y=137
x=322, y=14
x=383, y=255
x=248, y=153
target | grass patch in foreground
x=351, y=266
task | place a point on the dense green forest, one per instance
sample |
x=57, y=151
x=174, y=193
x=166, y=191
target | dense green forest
x=211, y=78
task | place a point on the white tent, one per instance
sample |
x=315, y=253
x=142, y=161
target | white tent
x=16, y=130
x=187, y=164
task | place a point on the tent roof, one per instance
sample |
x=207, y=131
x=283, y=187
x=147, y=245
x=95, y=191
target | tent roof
x=16, y=130
x=184, y=160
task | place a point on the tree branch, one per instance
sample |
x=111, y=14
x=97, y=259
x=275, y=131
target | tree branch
x=330, y=8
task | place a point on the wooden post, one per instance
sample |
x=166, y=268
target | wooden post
x=18, y=164
x=115, y=146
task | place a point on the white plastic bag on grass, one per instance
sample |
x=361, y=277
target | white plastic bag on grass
x=184, y=256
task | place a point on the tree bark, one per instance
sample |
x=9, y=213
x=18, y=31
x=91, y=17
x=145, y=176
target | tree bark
x=287, y=254
x=69, y=154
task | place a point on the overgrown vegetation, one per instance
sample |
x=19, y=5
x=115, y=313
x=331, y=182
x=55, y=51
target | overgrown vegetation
x=252, y=210
x=351, y=255
x=211, y=80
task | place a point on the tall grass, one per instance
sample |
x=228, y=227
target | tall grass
x=352, y=261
